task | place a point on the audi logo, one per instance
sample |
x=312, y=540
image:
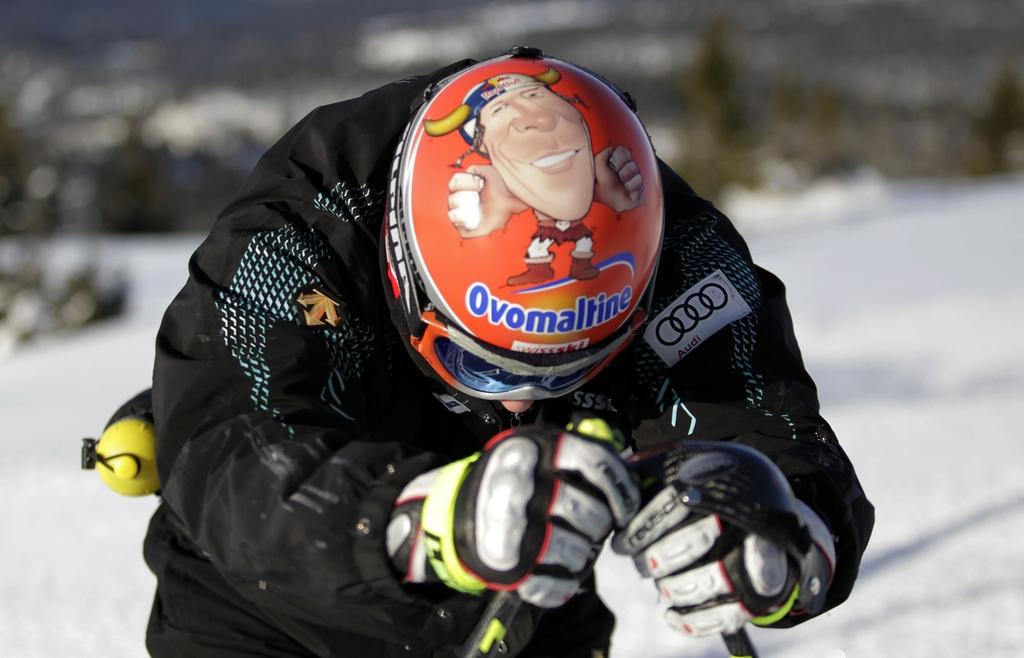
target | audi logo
x=686, y=315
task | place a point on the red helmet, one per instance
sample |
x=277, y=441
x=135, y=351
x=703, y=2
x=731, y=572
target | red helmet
x=524, y=225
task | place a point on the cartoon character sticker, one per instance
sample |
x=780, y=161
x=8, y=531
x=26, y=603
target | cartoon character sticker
x=540, y=154
x=534, y=204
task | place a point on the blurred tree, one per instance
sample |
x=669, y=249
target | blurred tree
x=27, y=199
x=719, y=133
x=826, y=150
x=789, y=98
x=13, y=172
x=998, y=128
x=133, y=193
x=715, y=81
x=808, y=127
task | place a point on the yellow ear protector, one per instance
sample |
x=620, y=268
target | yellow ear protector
x=125, y=457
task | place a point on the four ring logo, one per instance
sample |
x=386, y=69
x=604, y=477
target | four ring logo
x=686, y=315
x=699, y=312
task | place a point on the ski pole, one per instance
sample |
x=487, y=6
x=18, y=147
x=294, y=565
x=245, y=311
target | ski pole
x=498, y=615
x=739, y=644
x=491, y=629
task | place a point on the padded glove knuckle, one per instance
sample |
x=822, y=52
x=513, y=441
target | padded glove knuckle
x=602, y=468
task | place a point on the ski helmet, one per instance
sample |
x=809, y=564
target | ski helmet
x=525, y=217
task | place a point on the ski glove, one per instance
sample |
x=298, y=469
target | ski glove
x=529, y=513
x=726, y=541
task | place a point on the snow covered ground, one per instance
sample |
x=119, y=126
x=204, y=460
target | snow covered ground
x=908, y=303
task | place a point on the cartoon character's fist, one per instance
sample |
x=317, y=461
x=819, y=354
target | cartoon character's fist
x=619, y=183
x=479, y=202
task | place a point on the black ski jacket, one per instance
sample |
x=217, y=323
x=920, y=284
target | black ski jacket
x=283, y=446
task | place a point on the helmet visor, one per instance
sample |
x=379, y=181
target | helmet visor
x=475, y=376
x=471, y=368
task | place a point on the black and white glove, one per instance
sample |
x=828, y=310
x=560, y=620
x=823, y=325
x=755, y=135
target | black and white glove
x=726, y=541
x=529, y=513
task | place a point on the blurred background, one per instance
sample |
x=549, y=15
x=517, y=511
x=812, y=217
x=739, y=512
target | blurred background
x=121, y=117
x=872, y=151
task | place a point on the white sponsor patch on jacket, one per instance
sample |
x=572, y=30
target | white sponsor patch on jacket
x=694, y=317
x=451, y=404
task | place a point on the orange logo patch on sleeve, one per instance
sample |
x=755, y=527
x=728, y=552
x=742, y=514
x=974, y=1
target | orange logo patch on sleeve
x=318, y=309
